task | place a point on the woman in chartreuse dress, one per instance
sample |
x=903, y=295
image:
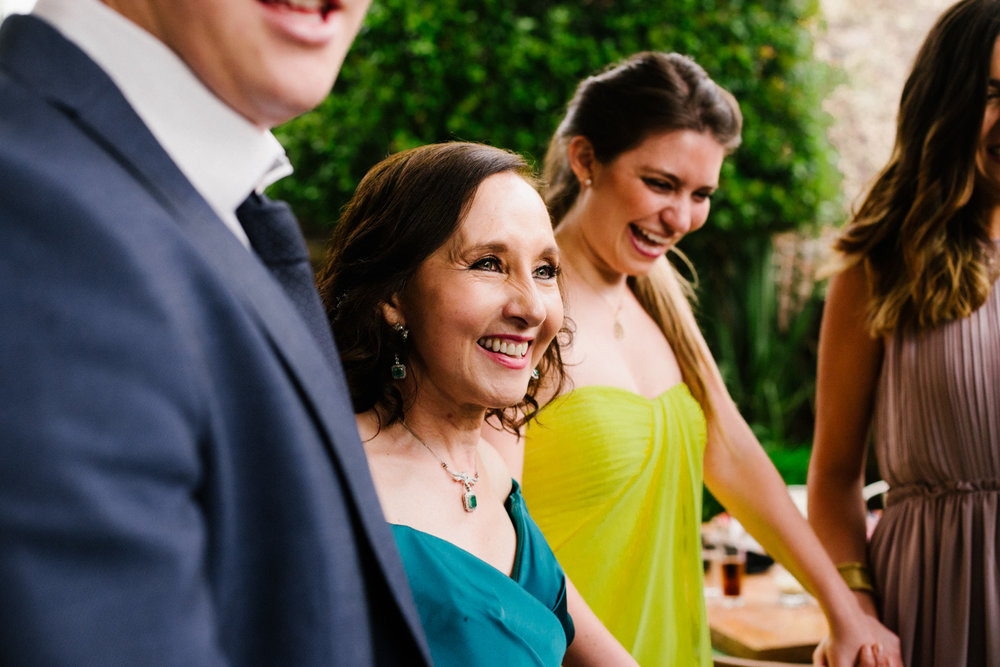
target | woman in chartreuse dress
x=612, y=468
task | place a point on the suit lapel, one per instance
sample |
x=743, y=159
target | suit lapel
x=85, y=92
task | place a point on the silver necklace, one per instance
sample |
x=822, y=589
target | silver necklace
x=469, y=502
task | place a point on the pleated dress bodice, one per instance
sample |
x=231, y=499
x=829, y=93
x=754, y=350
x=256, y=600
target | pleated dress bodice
x=936, y=429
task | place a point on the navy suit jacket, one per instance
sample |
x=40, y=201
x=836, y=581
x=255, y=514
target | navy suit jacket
x=181, y=480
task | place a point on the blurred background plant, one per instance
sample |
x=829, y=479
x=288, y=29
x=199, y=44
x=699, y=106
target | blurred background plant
x=501, y=72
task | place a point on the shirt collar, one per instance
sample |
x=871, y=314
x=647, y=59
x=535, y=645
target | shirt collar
x=223, y=154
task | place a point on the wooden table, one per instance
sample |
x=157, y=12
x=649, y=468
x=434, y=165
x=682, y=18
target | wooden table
x=763, y=628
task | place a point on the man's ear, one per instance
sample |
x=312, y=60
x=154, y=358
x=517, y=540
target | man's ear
x=581, y=158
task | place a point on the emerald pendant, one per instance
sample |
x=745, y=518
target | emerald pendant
x=469, y=501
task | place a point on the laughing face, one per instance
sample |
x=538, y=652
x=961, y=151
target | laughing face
x=483, y=308
x=988, y=152
x=270, y=60
x=642, y=202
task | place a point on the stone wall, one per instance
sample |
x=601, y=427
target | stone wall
x=874, y=43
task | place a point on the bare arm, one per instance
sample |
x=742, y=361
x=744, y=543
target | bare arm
x=742, y=477
x=593, y=644
x=739, y=473
x=849, y=363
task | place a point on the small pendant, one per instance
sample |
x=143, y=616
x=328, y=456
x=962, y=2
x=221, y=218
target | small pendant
x=398, y=371
x=619, y=330
x=469, y=501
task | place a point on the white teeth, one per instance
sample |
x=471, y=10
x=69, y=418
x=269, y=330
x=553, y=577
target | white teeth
x=510, y=348
x=650, y=237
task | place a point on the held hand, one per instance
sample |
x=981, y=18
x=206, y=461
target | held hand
x=885, y=651
x=819, y=655
x=879, y=649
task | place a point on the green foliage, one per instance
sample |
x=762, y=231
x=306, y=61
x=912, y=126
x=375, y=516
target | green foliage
x=501, y=72
x=792, y=464
x=765, y=332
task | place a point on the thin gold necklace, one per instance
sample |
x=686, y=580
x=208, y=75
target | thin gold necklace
x=618, y=329
x=469, y=502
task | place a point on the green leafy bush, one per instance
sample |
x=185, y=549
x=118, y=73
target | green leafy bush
x=501, y=72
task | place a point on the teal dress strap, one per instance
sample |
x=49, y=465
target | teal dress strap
x=474, y=614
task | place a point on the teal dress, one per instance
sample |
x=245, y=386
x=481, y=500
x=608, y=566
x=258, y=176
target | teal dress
x=474, y=614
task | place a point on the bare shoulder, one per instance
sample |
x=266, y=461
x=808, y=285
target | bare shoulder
x=388, y=471
x=496, y=469
x=505, y=444
x=845, y=311
x=368, y=426
x=851, y=285
x=373, y=435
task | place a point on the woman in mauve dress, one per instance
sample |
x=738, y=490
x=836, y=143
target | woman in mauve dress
x=910, y=358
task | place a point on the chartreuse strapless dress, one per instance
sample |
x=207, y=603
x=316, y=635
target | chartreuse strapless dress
x=475, y=615
x=614, y=481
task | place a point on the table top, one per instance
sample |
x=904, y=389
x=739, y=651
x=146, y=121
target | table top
x=765, y=626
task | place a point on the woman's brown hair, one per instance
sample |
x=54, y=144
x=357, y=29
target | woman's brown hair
x=616, y=110
x=922, y=232
x=405, y=208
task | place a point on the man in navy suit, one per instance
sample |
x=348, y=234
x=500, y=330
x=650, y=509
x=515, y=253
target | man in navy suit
x=181, y=481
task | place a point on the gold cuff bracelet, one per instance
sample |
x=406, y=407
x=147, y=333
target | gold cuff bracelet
x=856, y=576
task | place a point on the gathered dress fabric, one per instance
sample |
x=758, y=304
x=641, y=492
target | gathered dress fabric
x=614, y=480
x=934, y=553
x=473, y=614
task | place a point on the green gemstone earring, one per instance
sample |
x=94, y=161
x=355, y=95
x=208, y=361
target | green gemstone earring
x=398, y=369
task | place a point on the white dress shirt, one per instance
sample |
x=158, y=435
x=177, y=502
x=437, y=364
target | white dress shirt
x=223, y=154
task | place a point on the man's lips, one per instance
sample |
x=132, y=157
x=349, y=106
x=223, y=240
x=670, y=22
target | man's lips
x=321, y=7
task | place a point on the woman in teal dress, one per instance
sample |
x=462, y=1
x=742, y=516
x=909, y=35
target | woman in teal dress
x=442, y=290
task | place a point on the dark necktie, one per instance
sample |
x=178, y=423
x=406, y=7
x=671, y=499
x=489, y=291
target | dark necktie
x=275, y=236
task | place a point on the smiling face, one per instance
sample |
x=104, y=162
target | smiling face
x=270, y=61
x=642, y=202
x=483, y=308
x=988, y=151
